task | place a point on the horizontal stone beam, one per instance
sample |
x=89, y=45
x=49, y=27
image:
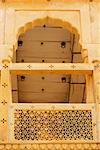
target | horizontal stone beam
x=51, y=68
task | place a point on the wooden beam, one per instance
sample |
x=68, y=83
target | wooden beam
x=51, y=68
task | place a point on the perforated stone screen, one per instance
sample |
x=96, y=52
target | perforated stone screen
x=52, y=125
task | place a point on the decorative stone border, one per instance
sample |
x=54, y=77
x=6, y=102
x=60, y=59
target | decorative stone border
x=47, y=146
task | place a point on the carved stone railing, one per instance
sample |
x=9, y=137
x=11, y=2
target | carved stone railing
x=51, y=122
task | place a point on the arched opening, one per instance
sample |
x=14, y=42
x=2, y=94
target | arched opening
x=49, y=42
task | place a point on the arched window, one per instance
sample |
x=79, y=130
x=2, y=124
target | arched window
x=47, y=43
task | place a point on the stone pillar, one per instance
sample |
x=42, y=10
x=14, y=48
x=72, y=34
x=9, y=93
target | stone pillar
x=89, y=89
x=89, y=79
x=96, y=77
x=6, y=93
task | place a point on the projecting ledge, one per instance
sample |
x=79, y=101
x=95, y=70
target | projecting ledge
x=53, y=68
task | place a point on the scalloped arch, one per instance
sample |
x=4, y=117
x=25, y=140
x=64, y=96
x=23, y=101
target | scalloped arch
x=53, y=22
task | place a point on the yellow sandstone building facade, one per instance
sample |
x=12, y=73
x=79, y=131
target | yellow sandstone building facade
x=50, y=74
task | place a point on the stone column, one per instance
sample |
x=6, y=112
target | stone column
x=96, y=77
x=89, y=80
x=5, y=90
x=89, y=89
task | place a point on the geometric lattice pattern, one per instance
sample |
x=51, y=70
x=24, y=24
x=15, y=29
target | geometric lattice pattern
x=53, y=125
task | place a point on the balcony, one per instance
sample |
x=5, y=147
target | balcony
x=49, y=126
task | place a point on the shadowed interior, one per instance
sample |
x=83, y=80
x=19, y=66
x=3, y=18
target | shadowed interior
x=48, y=44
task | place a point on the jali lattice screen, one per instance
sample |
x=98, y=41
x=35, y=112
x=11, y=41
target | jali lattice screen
x=52, y=125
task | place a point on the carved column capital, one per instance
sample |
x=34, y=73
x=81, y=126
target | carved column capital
x=96, y=64
x=6, y=53
x=84, y=55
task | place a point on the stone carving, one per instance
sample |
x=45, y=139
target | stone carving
x=97, y=67
x=50, y=146
x=52, y=125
